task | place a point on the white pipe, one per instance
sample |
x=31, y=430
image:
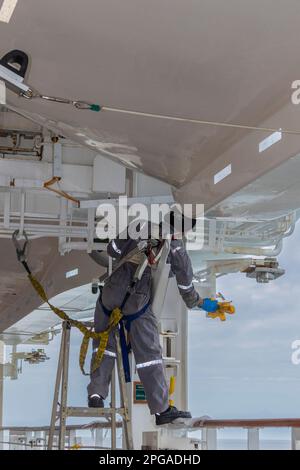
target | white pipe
x=22, y=212
x=238, y=250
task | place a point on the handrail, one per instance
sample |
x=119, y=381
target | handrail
x=247, y=423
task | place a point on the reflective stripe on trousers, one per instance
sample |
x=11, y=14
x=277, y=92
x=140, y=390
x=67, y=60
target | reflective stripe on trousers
x=106, y=353
x=144, y=339
x=149, y=363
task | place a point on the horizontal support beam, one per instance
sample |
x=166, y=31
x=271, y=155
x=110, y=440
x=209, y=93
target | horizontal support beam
x=33, y=174
x=92, y=412
x=147, y=200
x=69, y=427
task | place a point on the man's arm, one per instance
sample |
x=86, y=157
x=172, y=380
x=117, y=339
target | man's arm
x=181, y=266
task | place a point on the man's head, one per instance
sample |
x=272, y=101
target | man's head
x=173, y=223
x=176, y=224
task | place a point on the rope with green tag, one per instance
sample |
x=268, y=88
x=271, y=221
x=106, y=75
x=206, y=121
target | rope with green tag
x=88, y=334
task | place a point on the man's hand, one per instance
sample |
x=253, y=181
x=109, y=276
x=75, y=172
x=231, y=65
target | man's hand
x=209, y=305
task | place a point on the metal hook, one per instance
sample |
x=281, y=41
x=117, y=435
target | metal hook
x=22, y=252
x=77, y=104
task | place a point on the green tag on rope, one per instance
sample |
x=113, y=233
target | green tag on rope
x=95, y=107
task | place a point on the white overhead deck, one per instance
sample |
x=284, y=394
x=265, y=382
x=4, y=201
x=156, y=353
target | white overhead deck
x=227, y=62
x=231, y=62
x=222, y=61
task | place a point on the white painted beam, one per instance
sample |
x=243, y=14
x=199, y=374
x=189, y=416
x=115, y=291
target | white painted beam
x=130, y=200
x=2, y=361
x=7, y=9
x=295, y=438
x=2, y=92
x=75, y=178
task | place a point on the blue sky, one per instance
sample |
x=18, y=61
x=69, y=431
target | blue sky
x=241, y=368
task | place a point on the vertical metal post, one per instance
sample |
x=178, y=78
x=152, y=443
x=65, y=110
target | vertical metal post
x=72, y=438
x=7, y=201
x=2, y=361
x=29, y=440
x=14, y=363
x=212, y=234
x=253, y=439
x=22, y=213
x=2, y=92
x=63, y=224
x=295, y=439
x=57, y=160
x=41, y=440
x=91, y=228
x=64, y=387
x=127, y=430
x=113, y=406
x=98, y=437
x=209, y=439
x=37, y=440
x=56, y=391
x=212, y=439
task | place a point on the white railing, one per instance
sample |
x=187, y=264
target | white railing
x=209, y=430
x=92, y=436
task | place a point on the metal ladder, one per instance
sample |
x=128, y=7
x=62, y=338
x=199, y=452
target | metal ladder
x=61, y=411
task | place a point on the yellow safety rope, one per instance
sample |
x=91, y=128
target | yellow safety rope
x=102, y=337
x=172, y=390
x=75, y=447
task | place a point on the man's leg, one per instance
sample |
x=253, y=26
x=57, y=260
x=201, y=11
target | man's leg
x=101, y=377
x=144, y=339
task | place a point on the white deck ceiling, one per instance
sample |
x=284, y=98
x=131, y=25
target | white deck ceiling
x=230, y=61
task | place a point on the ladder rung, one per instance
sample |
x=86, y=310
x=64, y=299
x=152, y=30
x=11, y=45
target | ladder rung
x=80, y=411
x=169, y=334
x=60, y=412
x=171, y=360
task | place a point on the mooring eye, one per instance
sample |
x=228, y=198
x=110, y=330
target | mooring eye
x=16, y=61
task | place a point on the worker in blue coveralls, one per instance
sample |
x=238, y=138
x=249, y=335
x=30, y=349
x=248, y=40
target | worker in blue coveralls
x=144, y=334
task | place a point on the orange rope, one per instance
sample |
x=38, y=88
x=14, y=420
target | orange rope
x=56, y=179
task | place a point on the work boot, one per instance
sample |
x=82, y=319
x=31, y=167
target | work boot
x=95, y=401
x=170, y=415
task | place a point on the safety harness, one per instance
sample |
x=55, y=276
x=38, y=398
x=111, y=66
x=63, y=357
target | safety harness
x=150, y=257
x=116, y=319
x=125, y=324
